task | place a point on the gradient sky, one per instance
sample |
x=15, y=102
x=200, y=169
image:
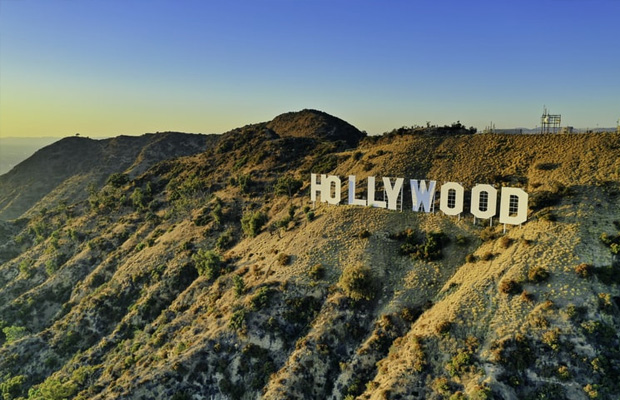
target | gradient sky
x=105, y=68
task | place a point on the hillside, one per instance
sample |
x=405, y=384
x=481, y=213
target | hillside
x=213, y=276
x=61, y=171
x=14, y=150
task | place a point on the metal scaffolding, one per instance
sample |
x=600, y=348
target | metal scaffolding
x=550, y=123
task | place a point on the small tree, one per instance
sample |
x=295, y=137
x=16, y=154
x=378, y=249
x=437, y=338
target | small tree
x=252, y=222
x=357, y=282
x=13, y=333
x=137, y=199
x=208, y=263
x=287, y=185
x=117, y=179
x=239, y=285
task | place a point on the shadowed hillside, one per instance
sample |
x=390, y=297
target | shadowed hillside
x=63, y=169
x=214, y=276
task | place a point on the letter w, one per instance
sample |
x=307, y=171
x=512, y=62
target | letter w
x=421, y=196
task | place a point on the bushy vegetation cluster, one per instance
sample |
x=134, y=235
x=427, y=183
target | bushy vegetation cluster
x=425, y=246
x=208, y=263
x=611, y=241
x=358, y=282
x=252, y=223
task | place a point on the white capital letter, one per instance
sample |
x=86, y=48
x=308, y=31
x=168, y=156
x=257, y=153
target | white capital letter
x=421, y=196
x=479, y=207
x=315, y=186
x=326, y=192
x=513, y=206
x=371, y=194
x=393, y=192
x=451, y=201
x=352, y=199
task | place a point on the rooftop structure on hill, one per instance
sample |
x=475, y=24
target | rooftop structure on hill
x=550, y=123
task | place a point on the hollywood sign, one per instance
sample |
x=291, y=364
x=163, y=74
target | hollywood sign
x=484, y=197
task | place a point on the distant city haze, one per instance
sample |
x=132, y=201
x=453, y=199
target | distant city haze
x=15, y=150
x=126, y=68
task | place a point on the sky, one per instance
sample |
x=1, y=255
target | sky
x=106, y=68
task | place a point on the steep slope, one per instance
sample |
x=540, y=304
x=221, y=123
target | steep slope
x=213, y=276
x=63, y=169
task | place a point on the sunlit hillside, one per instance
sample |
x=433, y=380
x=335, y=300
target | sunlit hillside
x=213, y=275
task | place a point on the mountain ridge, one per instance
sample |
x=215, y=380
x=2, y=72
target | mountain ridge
x=214, y=276
x=50, y=166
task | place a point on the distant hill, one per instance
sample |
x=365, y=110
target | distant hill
x=14, y=150
x=61, y=171
x=315, y=124
x=213, y=275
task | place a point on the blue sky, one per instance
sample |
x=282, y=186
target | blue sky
x=105, y=68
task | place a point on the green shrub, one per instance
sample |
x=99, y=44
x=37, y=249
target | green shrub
x=462, y=240
x=216, y=213
x=287, y=186
x=208, y=263
x=509, y=286
x=51, y=266
x=54, y=389
x=301, y=310
x=25, y=268
x=225, y=240
x=537, y=274
x=584, y=270
x=283, y=223
x=459, y=363
x=611, y=241
x=138, y=199
x=458, y=395
x=470, y=258
x=284, y=259
x=488, y=233
x=591, y=390
x=357, y=282
x=442, y=386
x=515, y=354
x=317, y=272
x=481, y=392
x=237, y=320
x=244, y=182
x=117, y=180
x=443, y=328
x=260, y=299
x=11, y=387
x=527, y=297
x=505, y=242
x=238, y=285
x=252, y=222
x=13, y=333
x=427, y=248
x=564, y=373
x=552, y=339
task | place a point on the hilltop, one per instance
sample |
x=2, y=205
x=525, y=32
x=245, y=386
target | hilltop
x=212, y=275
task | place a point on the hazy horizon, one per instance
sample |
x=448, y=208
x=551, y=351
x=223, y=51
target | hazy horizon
x=108, y=68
